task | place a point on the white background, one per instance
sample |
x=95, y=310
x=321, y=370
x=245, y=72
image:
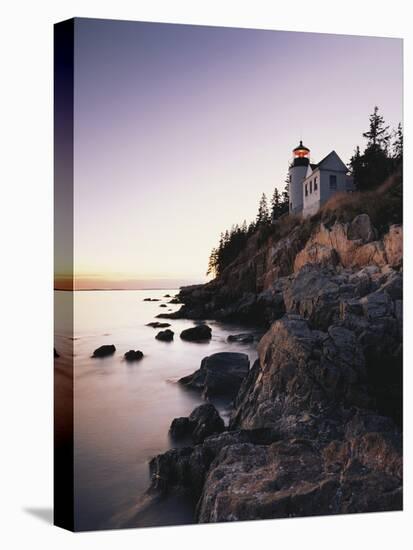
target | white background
x=26, y=272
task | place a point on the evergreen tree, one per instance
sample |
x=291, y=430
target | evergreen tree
x=285, y=197
x=356, y=161
x=263, y=216
x=275, y=205
x=378, y=135
x=397, y=147
x=213, y=263
x=375, y=164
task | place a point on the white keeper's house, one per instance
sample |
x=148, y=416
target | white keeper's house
x=311, y=185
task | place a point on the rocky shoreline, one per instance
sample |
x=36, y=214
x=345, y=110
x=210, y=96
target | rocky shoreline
x=316, y=422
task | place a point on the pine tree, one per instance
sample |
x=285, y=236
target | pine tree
x=355, y=161
x=275, y=205
x=397, y=147
x=263, y=216
x=213, y=263
x=285, y=198
x=378, y=134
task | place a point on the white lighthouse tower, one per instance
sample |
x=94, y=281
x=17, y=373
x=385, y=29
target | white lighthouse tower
x=298, y=172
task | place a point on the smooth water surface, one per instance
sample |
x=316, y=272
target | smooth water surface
x=122, y=411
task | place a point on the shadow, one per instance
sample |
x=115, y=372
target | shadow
x=45, y=514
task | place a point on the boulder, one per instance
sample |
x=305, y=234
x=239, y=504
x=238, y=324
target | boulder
x=151, y=299
x=104, y=351
x=361, y=229
x=219, y=374
x=302, y=372
x=296, y=478
x=202, y=422
x=197, y=333
x=393, y=245
x=133, y=355
x=165, y=335
x=163, y=305
x=157, y=324
x=243, y=338
x=55, y=354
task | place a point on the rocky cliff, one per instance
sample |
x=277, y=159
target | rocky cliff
x=316, y=423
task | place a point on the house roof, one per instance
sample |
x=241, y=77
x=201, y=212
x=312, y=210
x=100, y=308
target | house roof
x=324, y=160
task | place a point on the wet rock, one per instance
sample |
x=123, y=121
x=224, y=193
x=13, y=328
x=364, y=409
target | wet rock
x=104, y=351
x=157, y=324
x=181, y=428
x=219, y=374
x=133, y=355
x=202, y=422
x=196, y=334
x=151, y=299
x=55, y=354
x=243, y=338
x=167, y=296
x=165, y=335
x=163, y=305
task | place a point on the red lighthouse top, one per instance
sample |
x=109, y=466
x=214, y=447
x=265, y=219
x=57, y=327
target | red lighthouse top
x=301, y=151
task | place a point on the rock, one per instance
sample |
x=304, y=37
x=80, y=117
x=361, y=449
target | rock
x=181, y=428
x=314, y=294
x=157, y=324
x=55, y=354
x=351, y=245
x=165, y=335
x=163, y=305
x=104, y=351
x=301, y=370
x=219, y=374
x=202, y=422
x=175, y=301
x=295, y=478
x=206, y=421
x=133, y=355
x=393, y=246
x=362, y=229
x=243, y=338
x=196, y=334
x=173, y=315
x=151, y=299
x=167, y=296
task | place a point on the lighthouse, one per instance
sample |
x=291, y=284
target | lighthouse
x=298, y=172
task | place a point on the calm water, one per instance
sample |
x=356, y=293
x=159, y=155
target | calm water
x=123, y=410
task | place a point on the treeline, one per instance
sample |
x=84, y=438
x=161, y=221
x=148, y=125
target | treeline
x=233, y=241
x=382, y=156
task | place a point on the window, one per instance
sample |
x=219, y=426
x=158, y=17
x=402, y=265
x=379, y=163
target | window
x=333, y=181
x=315, y=184
x=311, y=186
x=306, y=190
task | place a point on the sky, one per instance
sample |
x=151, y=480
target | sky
x=178, y=130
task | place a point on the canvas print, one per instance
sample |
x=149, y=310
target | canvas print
x=228, y=274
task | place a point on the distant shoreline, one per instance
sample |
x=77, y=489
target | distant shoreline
x=112, y=289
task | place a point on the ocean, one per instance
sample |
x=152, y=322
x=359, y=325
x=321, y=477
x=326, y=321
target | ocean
x=122, y=411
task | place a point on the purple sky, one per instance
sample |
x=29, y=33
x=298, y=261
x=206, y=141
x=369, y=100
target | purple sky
x=179, y=129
